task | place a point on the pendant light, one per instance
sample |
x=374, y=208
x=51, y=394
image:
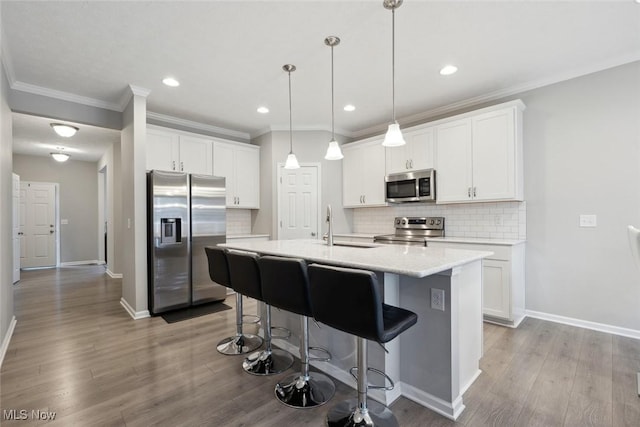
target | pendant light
x=333, y=151
x=292, y=162
x=393, y=138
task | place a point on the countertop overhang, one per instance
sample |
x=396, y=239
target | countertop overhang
x=414, y=261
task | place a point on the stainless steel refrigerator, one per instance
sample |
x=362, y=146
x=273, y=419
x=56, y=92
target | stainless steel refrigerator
x=185, y=213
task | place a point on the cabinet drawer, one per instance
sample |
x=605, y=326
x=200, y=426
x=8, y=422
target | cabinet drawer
x=499, y=252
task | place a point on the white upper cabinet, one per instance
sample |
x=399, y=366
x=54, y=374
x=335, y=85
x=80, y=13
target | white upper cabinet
x=479, y=157
x=363, y=171
x=240, y=165
x=416, y=154
x=172, y=151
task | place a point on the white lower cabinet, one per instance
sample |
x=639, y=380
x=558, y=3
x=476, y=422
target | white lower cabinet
x=503, y=293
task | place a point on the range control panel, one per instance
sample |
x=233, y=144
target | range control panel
x=420, y=223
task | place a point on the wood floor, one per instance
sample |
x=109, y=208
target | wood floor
x=75, y=351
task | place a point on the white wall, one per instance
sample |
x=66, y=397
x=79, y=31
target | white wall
x=582, y=156
x=78, y=185
x=111, y=161
x=6, y=232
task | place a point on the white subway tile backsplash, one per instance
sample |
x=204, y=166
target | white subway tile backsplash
x=238, y=221
x=498, y=220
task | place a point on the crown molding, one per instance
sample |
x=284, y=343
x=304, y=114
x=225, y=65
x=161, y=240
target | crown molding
x=64, y=96
x=500, y=94
x=197, y=126
x=303, y=128
x=129, y=93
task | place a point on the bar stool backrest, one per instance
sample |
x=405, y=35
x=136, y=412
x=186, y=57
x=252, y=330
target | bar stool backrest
x=218, y=266
x=285, y=284
x=347, y=299
x=245, y=274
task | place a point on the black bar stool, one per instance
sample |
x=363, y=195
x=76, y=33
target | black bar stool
x=240, y=343
x=349, y=300
x=285, y=284
x=245, y=276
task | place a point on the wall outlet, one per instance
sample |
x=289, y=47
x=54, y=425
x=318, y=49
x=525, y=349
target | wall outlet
x=437, y=299
x=588, y=221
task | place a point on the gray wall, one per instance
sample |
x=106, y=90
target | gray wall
x=6, y=213
x=582, y=156
x=309, y=147
x=110, y=161
x=78, y=185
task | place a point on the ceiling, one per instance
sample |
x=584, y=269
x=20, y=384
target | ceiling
x=228, y=55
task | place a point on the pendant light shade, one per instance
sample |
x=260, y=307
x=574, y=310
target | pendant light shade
x=333, y=151
x=393, y=138
x=292, y=161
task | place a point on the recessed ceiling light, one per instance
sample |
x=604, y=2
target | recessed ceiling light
x=349, y=107
x=263, y=110
x=170, y=81
x=447, y=70
x=64, y=130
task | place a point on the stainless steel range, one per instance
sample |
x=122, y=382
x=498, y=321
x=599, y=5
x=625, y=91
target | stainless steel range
x=413, y=230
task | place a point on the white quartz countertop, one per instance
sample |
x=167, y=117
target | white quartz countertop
x=358, y=235
x=246, y=236
x=415, y=261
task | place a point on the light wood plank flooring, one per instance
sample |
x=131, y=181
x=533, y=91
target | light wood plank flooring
x=75, y=351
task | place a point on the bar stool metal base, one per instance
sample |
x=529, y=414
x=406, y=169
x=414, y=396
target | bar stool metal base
x=298, y=391
x=239, y=344
x=267, y=362
x=347, y=414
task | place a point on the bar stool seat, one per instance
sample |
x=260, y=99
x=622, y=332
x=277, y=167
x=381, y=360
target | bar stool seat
x=285, y=284
x=245, y=276
x=349, y=300
x=240, y=343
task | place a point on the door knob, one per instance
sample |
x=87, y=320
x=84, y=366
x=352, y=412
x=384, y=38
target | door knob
x=313, y=234
x=51, y=231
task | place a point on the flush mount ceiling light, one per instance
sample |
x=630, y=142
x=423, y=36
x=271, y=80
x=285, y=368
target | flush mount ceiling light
x=447, y=70
x=60, y=156
x=333, y=151
x=393, y=138
x=171, y=82
x=292, y=162
x=349, y=107
x=64, y=130
x=262, y=110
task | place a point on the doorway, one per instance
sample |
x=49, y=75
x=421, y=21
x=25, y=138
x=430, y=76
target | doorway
x=38, y=224
x=298, y=202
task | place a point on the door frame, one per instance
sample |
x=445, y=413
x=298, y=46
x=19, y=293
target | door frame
x=56, y=216
x=280, y=167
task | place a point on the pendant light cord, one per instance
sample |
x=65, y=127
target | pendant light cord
x=333, y=117
x=393, y=64
x=290, y=120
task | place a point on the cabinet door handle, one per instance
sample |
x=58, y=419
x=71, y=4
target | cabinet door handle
x=181, y=167
x=411, y=163
x=474, y=191
x=469, y=192
x=364, y=199
x=173, y=167
x=238, y=199
x=406, y=164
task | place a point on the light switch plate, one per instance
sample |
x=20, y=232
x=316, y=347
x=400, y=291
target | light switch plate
x=64, y=221
x=588, y=221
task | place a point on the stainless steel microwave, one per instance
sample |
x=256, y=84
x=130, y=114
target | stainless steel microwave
x=416, y=186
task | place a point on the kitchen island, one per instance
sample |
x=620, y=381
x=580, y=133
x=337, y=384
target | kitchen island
x=432, y=363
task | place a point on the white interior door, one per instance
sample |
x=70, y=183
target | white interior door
x=16, y=228
x=38, y=224
x=298, y=196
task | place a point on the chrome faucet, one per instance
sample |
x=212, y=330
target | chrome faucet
x=329, y=234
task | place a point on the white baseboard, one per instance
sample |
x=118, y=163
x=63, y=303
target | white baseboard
x=85, y=262
x=7, y=339
x=114, y=275
x=601, y=327
x=446, y=409
x=136, y=315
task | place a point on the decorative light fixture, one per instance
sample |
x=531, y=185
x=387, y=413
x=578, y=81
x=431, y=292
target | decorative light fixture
x=393, y=138
x=292, y=162
x=64, y=130
x=171, y=82
x=60, y=156
x=333, y=151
